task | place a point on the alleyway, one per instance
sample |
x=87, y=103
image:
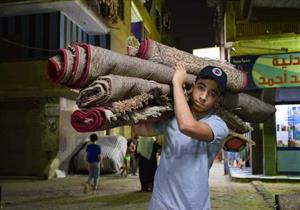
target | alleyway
x=119, y=193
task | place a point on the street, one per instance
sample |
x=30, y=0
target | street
x=119, y=193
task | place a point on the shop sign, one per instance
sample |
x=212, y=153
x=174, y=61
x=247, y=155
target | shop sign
x=270, y=71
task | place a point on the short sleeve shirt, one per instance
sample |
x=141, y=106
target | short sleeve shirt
x=93, y=152
x=181, y=180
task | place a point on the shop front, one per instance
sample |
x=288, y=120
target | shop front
x=280, y=73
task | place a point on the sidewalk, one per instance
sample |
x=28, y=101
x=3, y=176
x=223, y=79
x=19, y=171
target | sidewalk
x=242, y=191
x=245, y=174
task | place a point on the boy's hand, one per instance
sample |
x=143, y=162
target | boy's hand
x=180, y=74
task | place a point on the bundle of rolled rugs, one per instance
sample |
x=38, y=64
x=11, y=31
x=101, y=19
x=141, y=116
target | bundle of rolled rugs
x=118, y=90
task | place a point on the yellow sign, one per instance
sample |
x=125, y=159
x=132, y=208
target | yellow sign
x=281, y=70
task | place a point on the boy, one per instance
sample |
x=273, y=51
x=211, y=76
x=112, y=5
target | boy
x=192, y=139
x=93, y=151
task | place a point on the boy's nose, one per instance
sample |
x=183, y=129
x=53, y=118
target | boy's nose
x=204, y=95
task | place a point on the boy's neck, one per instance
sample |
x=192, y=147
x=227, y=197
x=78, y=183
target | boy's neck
x=199, y=115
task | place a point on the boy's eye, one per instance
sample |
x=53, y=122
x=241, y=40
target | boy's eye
x=201, y=87
x=213, y=94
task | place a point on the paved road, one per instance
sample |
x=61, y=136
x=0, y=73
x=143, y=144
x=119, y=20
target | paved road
x=119, y=193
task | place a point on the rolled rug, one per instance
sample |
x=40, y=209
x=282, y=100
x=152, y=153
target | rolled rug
x=62, y=65
x=67, y=66
x=144, y=107
x=159, y=53
x=147, y=114
x=110, y=88
x=234, y=122
x=88, y=120
x=99, y=118
x=100, y=62
x=235, y=142
x=128, y=107
x=247, y=107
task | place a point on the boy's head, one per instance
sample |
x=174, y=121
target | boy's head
x=215, y=73
x=93, y=137
x=210, y=84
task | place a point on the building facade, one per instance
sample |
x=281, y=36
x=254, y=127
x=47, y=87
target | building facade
x=36, y=134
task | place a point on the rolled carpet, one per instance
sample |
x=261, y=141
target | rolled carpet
x=123, y=109
x=235, y=142
x=112, y=88
x=74, y=69
x=159, y=53
x=234, y=122
x=67, y=66
x=99, y=118
x=88, y=120
x=247, y=107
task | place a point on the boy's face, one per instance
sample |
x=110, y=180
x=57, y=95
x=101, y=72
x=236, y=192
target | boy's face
x=205, y=94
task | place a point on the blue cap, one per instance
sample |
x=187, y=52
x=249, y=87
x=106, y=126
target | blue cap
x=215, y=73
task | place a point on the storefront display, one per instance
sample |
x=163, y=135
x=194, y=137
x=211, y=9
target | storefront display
x=288, y=125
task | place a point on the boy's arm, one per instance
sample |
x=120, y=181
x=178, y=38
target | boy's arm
x=144, y=129
x=185, y=119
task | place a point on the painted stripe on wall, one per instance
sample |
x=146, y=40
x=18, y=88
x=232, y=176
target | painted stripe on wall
x=84, y=37
x=39, y=35
x=79, y=35
x=91, y=39
x=11, y=25
x=74, y=32
x=32, y=35
x=46, y=31
x=61, y=31
x=67, y=30
x=53, y=30
x=1, y=26
x=24, y=35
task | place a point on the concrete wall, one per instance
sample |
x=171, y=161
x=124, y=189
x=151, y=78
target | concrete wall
x=30, y=116
x=36, y=134
x=21, y=144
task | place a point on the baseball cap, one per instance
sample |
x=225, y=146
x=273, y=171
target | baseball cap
x=215, y=73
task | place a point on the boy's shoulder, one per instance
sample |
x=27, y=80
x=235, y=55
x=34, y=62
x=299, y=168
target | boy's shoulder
x=209, y=116
x=213, y=120
x=92, y=145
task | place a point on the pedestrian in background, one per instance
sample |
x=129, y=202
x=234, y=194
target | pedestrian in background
x=133, y=155
x=93, y=151
x=147, y=158
x=126, y=168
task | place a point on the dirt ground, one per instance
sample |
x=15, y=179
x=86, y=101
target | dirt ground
x=121, y=193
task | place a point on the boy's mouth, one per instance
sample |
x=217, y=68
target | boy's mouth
x=200, y=104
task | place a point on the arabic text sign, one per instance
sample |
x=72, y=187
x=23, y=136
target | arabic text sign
x=281, y=70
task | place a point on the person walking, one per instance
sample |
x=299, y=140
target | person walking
x=193, y=137
x=133, y=156
x=147, y=151
x=93, y=151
